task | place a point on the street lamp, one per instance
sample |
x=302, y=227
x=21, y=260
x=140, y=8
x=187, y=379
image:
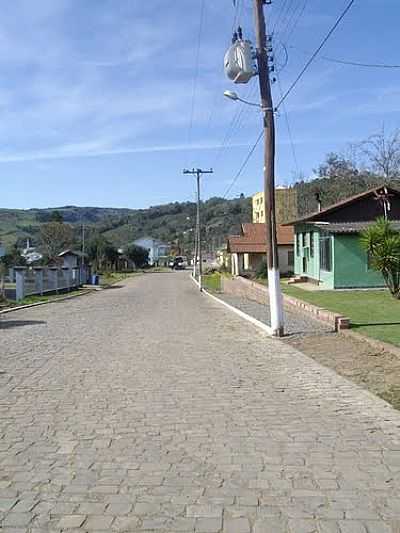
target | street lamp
x=232, y=95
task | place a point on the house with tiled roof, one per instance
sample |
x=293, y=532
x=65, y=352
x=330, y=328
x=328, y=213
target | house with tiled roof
x=248, y=250
x=327, y=242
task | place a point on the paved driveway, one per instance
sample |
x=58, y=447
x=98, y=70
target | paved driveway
x=151, y=408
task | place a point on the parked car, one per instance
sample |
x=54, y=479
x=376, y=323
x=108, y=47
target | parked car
x=180, y=262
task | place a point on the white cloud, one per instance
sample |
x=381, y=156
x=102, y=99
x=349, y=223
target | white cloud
x=101, y=148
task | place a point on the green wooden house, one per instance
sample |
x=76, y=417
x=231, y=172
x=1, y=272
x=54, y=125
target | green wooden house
x=327, y=248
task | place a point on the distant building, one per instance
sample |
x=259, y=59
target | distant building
x=72, y=258
x=157, y=249
x=30, y=254
x=285, y=205
x=248, y=250
x=76, y=259
x=327, y=242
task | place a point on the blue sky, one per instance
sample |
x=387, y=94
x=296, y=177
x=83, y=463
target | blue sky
x=96, y=96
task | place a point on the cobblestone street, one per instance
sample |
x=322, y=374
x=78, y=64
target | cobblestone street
x=149, y=407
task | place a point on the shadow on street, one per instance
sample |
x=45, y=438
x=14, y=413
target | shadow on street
x=8, y=324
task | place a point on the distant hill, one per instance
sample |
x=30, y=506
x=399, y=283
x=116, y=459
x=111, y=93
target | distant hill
x=173, y=221
x=121, y=226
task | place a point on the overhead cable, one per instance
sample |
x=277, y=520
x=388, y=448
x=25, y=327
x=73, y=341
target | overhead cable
x=351, y=63
x=238, y=174
x=196, y=73
x=314, y=55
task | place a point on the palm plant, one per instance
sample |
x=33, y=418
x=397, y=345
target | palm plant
x=382, y=244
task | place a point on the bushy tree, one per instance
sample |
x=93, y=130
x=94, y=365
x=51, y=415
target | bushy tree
x=383, y=153
x=262, y=270
x=96, y=249
x=55, y=237
x=382, y=243
x=13, y=257
x=139, y=255
x=111, y=256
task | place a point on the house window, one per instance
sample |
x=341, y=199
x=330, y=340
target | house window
x=290, y=259
x=325, y=251
x=311, y=237
x=297, y=244
x=303, y=236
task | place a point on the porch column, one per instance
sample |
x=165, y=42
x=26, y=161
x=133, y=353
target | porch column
x=240, y=264
x=20, y=282
x=235, y=264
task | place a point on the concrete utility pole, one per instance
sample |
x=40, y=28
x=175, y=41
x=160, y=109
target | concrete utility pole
x=274, y=287
x=83, y=239
x=198, y=172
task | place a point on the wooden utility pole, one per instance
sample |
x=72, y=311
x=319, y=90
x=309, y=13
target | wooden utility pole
x=198, y=172
x=275, y=294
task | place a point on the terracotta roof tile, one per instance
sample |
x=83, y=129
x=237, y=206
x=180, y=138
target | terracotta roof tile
x=253, y=238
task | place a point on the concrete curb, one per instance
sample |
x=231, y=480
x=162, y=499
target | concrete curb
x=245, y=316
x=62, y=299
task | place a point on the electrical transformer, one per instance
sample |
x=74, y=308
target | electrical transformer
x=239, y=63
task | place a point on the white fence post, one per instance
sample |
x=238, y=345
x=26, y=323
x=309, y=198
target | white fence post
x=38, y=271
x=20, y=282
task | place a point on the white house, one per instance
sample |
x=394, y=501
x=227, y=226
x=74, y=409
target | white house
x=155, y=248
x=30, y=254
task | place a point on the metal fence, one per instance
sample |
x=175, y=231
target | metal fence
x=40, y=280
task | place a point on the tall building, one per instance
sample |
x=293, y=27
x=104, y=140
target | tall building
x=285, y=205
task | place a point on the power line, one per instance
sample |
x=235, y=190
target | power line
x=196, y=73
x=291, y=30
x=236, y=15
x=234, y=125
x=289, y=129
x=314, y=55
x=280, y=15
x=351, y=63
x=238, y=174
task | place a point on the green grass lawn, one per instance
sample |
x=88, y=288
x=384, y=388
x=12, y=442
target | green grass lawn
x=374, y=313
x=109, y=278
x=37, y=298
x=212, y=282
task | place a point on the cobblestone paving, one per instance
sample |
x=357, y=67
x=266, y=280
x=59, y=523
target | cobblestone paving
x=152, y=408
x=296, y=323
